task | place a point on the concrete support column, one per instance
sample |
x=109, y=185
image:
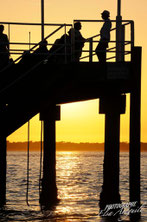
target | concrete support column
x=112, y=107
x=135, y=123
x=3, y=167
x=48, y=195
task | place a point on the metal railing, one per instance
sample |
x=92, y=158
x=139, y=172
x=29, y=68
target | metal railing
x=125, y=41
x=18, y=51
x=15, y=50
x=88, y=53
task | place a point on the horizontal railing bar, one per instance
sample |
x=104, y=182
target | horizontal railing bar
x=126, y=52
x=114, y=41
x=99, y=34
x=113, y=57
x=93, y=37
x=23, y=43
x=15, y=50
x=27, y=44
x=109, y=51
x=16, y=53
x=106, y=59
x=84, y=51
x=36, y=24
x=117, y=51
x=82, y=20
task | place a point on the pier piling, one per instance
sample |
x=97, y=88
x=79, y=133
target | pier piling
x=112, y=107
x=48, y=195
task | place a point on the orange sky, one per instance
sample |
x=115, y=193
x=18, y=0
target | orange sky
x=80, y=122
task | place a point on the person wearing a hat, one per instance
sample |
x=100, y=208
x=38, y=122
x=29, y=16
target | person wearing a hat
x=104, y=37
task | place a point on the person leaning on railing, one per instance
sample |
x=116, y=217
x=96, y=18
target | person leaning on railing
x=4, y=47
x=77, y=40
x=104, y=37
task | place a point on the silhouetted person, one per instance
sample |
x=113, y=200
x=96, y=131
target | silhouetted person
x=41, y=52
x=60, y=51
x=104, y=37
x=77, y=39
x=42, y=47
x=29, y=59
x=4, y=48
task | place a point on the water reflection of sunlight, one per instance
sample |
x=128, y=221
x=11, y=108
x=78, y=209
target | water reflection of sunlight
x=65, y=210
x=66, y=169
x=69, y=162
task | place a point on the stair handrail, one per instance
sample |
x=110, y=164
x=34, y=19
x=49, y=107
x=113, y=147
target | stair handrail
x=32, y=48
x=28, y=71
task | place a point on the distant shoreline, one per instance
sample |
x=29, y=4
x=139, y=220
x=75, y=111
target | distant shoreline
x=69, y=146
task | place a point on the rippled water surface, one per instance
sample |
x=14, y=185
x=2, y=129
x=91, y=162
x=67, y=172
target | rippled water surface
x=79, y=181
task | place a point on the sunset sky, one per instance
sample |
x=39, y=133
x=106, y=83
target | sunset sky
x=80, y=122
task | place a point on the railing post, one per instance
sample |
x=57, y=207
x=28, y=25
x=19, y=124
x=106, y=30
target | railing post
x=118, y=37
x=72, y=45
x=9, y=31
x=90, y=49
x=29, y=40
x=132, y=34
x=9, y=37
x=65, y=42
x=122, y=53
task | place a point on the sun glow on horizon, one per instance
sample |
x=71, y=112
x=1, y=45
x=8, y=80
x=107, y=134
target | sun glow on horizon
x=80, y=122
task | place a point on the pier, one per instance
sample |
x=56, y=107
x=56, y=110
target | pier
x=26, y=90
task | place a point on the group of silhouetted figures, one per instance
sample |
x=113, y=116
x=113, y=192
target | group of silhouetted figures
x=67, y=48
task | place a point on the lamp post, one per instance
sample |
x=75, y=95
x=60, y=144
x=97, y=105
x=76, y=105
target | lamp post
x=118, y=7
x=119, y=34
x=42, y=20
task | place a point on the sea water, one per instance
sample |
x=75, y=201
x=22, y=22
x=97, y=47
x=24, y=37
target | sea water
x=79, y=182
